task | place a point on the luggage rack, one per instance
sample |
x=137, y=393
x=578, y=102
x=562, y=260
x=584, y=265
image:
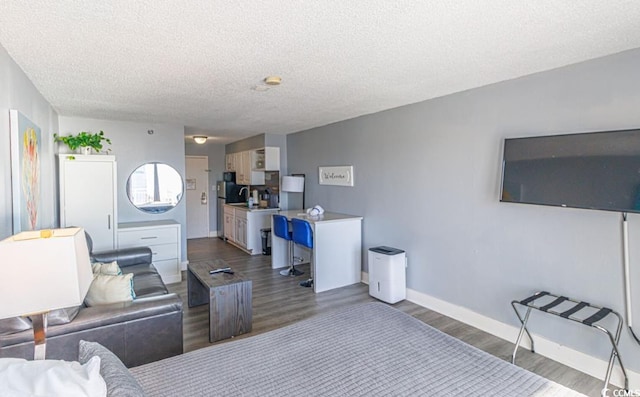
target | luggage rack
x=591, y=321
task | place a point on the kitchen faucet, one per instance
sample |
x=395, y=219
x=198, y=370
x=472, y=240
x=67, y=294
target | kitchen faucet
x=243, y=188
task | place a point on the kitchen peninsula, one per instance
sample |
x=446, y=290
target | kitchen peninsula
x=242, y=226
x=336, y=257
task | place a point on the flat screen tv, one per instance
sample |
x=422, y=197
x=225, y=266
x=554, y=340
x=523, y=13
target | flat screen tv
x=598, y=170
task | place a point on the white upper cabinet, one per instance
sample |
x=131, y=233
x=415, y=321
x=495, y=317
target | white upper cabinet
x=266, y=159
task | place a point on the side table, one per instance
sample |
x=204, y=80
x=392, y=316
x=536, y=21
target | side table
x=228, y=295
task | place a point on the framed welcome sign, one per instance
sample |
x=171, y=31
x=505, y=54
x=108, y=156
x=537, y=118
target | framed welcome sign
x=337, y=176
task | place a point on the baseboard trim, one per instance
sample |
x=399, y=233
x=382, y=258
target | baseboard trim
x=183, y=265
x=213, y=233
x=570, y=357
x=365, y=277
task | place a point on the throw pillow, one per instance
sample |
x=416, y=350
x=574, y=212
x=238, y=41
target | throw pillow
x=120, y=382
x=111, y=268
x=20, y=377
x=14, y=324
x=107, y=289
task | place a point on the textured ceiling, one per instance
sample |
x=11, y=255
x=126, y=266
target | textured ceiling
x=194, y=62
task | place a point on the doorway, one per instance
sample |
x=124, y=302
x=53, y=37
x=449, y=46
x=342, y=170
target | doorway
x=197, y=193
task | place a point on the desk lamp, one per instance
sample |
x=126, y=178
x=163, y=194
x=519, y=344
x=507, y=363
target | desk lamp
x=41, y=271
x=294, y=184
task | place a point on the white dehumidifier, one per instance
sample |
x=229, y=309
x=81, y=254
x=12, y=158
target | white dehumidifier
x=387, y=274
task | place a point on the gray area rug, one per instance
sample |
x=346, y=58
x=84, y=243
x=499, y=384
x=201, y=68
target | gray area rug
x=362, y=350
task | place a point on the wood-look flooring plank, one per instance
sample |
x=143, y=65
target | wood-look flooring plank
x=279, y=301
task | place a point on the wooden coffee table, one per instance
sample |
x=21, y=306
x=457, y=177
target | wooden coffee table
x=228, y=295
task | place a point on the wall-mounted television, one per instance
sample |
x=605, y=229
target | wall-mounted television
x=596, y=170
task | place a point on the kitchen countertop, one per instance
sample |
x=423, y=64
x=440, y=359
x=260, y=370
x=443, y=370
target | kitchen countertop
x=326, y=217
x=255, y=208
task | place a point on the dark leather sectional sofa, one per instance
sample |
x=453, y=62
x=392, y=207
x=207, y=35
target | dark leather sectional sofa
x=145, y=330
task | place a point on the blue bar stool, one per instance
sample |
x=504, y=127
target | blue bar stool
x=303, y=235
x=281, y=229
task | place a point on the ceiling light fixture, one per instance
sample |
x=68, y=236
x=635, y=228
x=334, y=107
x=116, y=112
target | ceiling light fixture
x=200, y=139
x=273, y=80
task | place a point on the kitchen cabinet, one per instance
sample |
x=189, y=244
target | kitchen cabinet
x=229, y=223
x=243, y=168
x=242, y=227
x=163, y=237
x=266, y=159
x=230, y=162
x=245, y=174
x=257, y=220
x=233, y=162
x=88, y=196
x=250, y=165
x=237, y=162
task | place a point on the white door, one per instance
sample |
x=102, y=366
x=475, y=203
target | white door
x=198, y=196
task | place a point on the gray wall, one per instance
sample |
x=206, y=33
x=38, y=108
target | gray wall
x=215, y=154
x=17, y=92
x=253, y=142
x=427, y=180
x=133, y=147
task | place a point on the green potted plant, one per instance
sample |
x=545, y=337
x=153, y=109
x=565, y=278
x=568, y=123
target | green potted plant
x=85, y=141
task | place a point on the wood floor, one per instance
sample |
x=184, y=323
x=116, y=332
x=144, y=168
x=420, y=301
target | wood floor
x=279, y=301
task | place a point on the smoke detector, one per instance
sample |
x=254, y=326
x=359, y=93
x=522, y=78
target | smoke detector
x=273, y=80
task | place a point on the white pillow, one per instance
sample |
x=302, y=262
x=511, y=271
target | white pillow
x=22, y=378
x=107, y=289
x=106, y=268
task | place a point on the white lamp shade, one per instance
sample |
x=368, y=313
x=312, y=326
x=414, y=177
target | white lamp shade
x=41, y=274
x=293, y=184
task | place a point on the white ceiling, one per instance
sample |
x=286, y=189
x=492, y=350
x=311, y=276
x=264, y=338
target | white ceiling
x=194, y=62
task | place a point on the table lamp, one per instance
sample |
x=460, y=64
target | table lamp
x=41, y=271
x=293, y=184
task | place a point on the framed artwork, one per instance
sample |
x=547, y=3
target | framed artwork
x=26, y=142
x=191, y=184
x=338, y=176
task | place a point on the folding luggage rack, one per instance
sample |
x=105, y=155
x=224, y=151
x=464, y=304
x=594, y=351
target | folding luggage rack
x=591, y=321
